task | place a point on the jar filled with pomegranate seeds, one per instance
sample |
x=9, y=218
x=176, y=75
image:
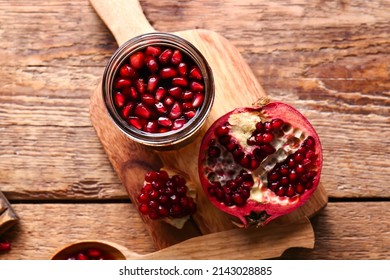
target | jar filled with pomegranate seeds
x=158, y=90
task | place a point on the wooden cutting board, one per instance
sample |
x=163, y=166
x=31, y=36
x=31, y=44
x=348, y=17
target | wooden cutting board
x=235, y=86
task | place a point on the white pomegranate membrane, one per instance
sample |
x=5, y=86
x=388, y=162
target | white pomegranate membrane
x=257, y=164
x=158, y=89
x=167, y=196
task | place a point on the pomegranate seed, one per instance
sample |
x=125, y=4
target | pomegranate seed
x=187, y=106
x=196, y=86
x=178, y=123
x=164, y=121
x=5, y=245
x=198, y=100
x=179, y=81
x=160, y=93
x=182, y=69
x=140, y=85
x=299, y=188
x=131, y=93
x=153, y=51
x=94, y=253
x=153, y=215
x=162, y=211
x=168, y=101
x=152, y=83
x=175, y=92
x=187, y=95
x=300, y=168
x=175, y=111
x=176, y=57
x=119, y=99
x=195, y=73
x=222, y=130
x=298, y=157
x=144, y=209
x=189, y=114
x=151, y=127
x=122, y=83
x=214, y=152
x=143, y=197
x=127, y=110
x=290, y=191
x=136, y=122
x=142, y=111
x=277, y=123
x=293, y=175
x=81, y=257
x=127, y=71
x=165, y=56
x=167, y=73
x=151, y=63
x=161, y=108
x=148, y=100
x=137, y=60
x=267, y=137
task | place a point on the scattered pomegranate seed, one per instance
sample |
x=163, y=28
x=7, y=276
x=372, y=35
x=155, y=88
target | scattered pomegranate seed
x=158, y=85
x=5, y=245
x=90, y=254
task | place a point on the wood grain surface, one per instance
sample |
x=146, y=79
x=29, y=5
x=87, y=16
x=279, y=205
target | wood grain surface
x=330, y=59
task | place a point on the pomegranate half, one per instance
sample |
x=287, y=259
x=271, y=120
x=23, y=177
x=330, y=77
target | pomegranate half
x=259, y=163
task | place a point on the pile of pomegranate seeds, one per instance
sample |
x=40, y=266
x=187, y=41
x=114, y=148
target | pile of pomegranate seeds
x=165, y=197
x=5, y=245
x=158, y=89
x=90, y=254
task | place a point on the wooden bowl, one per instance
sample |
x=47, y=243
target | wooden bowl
x=114, y=251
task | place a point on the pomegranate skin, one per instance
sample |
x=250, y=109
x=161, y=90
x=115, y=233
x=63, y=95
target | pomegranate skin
x=276, y=146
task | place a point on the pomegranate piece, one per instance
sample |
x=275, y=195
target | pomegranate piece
x=259, y=163
x=166, y=196
x=158, y=86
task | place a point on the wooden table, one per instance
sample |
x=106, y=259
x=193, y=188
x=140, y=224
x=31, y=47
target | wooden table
x=330, y=59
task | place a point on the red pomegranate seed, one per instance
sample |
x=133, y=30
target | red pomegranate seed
x=122, y=83
x=144, y=209
x=176, y=57
x=131, y=92
x=196, y=86
x=5, y=245
x=195, y=73
x=136, y=122
x=277, y=123
x=161, y=108
x=94, y=253
x=160, y=93
x=267, y=137
x=198, y=100
x=137, y=60
x=152, y=83
x=182, y=69
x=189, y=114
x=187, y=95
x=142, y=111
x=187, y=106
x=119, y=99
x=81, y=257
x=168, y=101
x=153, y=51
x=175, y=92
x=127, y=71
x=175, y=111
x=148, y=100
x=290, y=191
x=151, y=127
x=165, y=56
x=180, y=81
x=127, y=110
x=167, y=73
x=164, y=121
x=151, y=63
x=140, y=85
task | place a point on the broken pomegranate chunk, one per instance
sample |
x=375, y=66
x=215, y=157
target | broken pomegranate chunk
x=260, y=163
x=168, y=197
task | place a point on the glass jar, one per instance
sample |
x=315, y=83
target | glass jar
x=163, y=140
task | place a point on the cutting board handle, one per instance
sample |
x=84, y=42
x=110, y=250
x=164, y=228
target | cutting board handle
x=124, y=18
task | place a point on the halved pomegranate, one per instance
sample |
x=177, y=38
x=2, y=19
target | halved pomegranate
x=260, y=163
x=168, y=196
